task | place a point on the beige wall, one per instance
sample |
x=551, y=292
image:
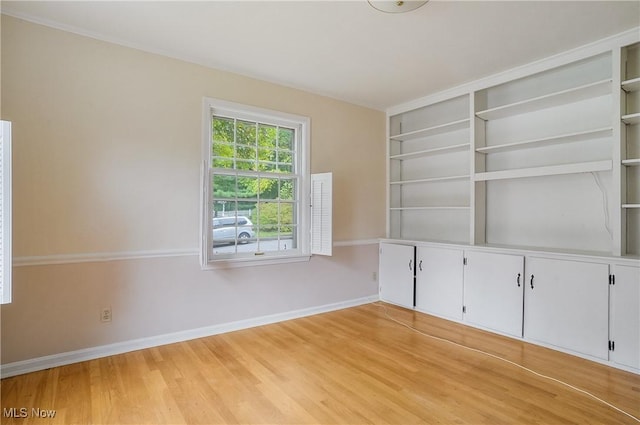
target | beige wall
x=108, y=144
x=107, y=151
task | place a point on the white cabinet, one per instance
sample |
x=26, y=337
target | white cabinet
x=566, y=305
x=585, y=305
x=439, y=281
x=493, y=290
x=625, y=316
x=396, y=274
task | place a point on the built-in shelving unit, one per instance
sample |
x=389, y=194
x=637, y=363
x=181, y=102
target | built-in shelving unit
x=429, y=172
x=535, y=137
x=518, y=175
x=524, y=159
x=630, y=147
x=532, y=172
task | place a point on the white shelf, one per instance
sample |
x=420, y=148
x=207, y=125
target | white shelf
x=599, y=88
x=631, y=85
x=431, y=131
x=428, y=152
x=631, y=118
x=582, y=167
x=629, y=206
x=432, y=179
x=563, y=138
x=631, y=162
x=428, y=208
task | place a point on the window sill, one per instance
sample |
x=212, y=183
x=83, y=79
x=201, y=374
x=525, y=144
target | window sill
x=251, y=262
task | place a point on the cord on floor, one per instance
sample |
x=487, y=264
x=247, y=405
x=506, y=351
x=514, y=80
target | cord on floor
x=506, y=361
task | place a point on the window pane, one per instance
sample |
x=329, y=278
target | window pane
x=267, y=136
x=222, y=163
x=246, y=133
x=287, y=241
x=285, y=168
x=225, y=150
x=222, y=130
x=268, y=218
x=287, y=189
x=266, y=154
x=235, y=232
x=269, y=188
x=248, y=209
x=248, y=187
x=285, y=161
x=285, y=216
x=267, y=159
x=224, y=186
x=285, y=138
x=272, y=235
x=246, y=157
x=245, y=165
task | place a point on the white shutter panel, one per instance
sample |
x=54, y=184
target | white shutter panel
x=321, y=213
x=5, y=212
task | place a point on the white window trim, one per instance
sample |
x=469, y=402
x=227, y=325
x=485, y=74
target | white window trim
x=303, y=128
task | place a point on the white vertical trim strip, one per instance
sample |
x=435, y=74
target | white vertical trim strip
x=5, y=213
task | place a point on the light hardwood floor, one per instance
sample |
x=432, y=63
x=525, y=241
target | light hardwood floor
x=353, y=366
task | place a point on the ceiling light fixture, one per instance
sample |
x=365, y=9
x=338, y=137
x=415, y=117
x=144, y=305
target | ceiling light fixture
x=396, y=6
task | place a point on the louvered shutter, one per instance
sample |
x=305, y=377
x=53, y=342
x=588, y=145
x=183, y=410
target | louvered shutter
x=321, y=213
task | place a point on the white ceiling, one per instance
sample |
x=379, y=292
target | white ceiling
x=345, y=49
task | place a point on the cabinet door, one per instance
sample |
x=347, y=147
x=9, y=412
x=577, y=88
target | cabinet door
x=566, y=305
x=439, y=281
x=493, y=291
x=396, y=274
x=625, y=316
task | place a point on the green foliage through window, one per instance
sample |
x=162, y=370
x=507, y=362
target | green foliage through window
x=254, y=174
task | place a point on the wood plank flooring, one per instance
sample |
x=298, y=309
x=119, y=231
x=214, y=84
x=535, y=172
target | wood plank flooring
x=353, y=366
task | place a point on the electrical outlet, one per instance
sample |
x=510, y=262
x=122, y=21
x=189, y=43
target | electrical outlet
x=105, y=314
x=374, y=276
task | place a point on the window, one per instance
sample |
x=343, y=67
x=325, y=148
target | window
x=5, y=212
x=256, y=186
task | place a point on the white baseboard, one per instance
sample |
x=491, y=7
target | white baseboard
x=92, y=353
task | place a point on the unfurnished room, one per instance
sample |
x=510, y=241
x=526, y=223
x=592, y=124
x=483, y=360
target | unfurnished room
x=320, y=212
